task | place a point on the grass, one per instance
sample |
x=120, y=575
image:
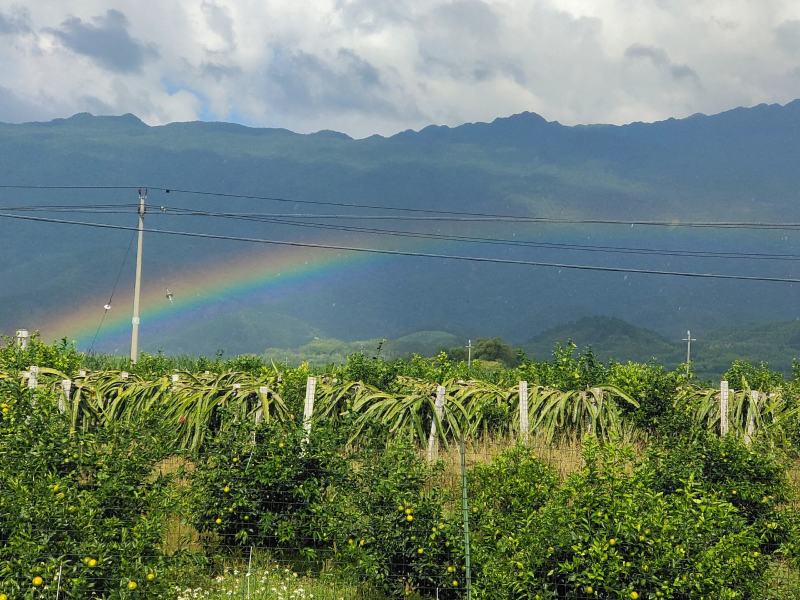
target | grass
x=270, y=581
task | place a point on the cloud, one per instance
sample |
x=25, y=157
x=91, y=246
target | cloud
x=14, y=23
x=660, y=59
x=366, y=66
x=300, y=82
x=788, y=36
x=105, y=39
x=220, y=22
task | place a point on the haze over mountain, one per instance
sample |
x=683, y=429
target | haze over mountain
x=740, y=165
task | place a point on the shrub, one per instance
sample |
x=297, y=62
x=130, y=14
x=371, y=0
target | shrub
x=262, y=485
x=608, y=532
x=651, y=386
x=88, y=507
x=391, y=529
x=751, y=478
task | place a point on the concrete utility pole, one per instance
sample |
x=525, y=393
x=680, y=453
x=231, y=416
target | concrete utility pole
x=688, y=339
x=469, y=354
x=138, y=283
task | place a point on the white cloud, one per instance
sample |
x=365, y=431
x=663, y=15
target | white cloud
x=365, y=66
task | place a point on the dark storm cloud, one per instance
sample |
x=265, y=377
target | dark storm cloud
x=305, y=81
x=788, y=36
x=106, y=40
x=660, y=58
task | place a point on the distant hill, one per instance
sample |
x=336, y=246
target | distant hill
x=739, y=165
x=609, y=338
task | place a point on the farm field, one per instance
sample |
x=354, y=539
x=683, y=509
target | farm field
x=415, y=478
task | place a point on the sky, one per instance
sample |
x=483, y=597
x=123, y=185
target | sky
x=380, y=66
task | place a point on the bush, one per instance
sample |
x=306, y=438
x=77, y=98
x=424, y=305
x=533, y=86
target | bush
x=751, y=478
x=88, y=507
x=391, y=530
x=651, y=386
x=263, y=485
x=609, y=532
x=61, y=356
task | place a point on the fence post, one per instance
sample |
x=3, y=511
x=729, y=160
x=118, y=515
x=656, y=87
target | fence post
x=23, y=336
x=33, y=377
x=751, y=416
x=523, y=411
x=465, y=517
x=433, y=438
x=308, y=409
x=723, y=408
x=66, y=388
x=262, y=393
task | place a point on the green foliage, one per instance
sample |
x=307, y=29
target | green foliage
x=60, y=356
x=263, y=485
x=744, y=375
x=391, y=529
x=609, y=532
x=752, y=478
x=653, y=387
x=89, y=506
x=566, y=370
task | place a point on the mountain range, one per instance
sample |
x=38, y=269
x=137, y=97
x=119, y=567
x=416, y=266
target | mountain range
x=313, y=189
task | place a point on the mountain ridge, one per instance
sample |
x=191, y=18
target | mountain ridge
x=737, y=165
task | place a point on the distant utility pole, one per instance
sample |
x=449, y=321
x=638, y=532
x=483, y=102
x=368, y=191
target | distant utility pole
x=138, y=283
x=469, y=354
x=688, y=339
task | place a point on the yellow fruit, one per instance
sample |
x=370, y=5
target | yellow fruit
x=409, y=518
x=451, y=569
x=218, y=521
x=361, y=542
x=151, y=576
x=612, y=542
x=455, y=582
x=226, y=489
x=634, y=595
x=409, y=511
x=235, y=459
x=92, y=562
x=3, y=596
x=132, y=585
x=420, y=550
x=37, y=581
x=589, y=590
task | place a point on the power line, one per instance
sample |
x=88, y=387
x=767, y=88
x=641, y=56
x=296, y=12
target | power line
x=480, y=259
x=107, y=306
x=451, y=215
x=490, y=240
x=279, y=219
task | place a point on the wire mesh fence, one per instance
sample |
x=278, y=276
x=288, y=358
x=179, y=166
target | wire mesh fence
x=269, y=504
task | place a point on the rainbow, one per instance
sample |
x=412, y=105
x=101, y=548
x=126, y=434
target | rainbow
x=253, y=277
